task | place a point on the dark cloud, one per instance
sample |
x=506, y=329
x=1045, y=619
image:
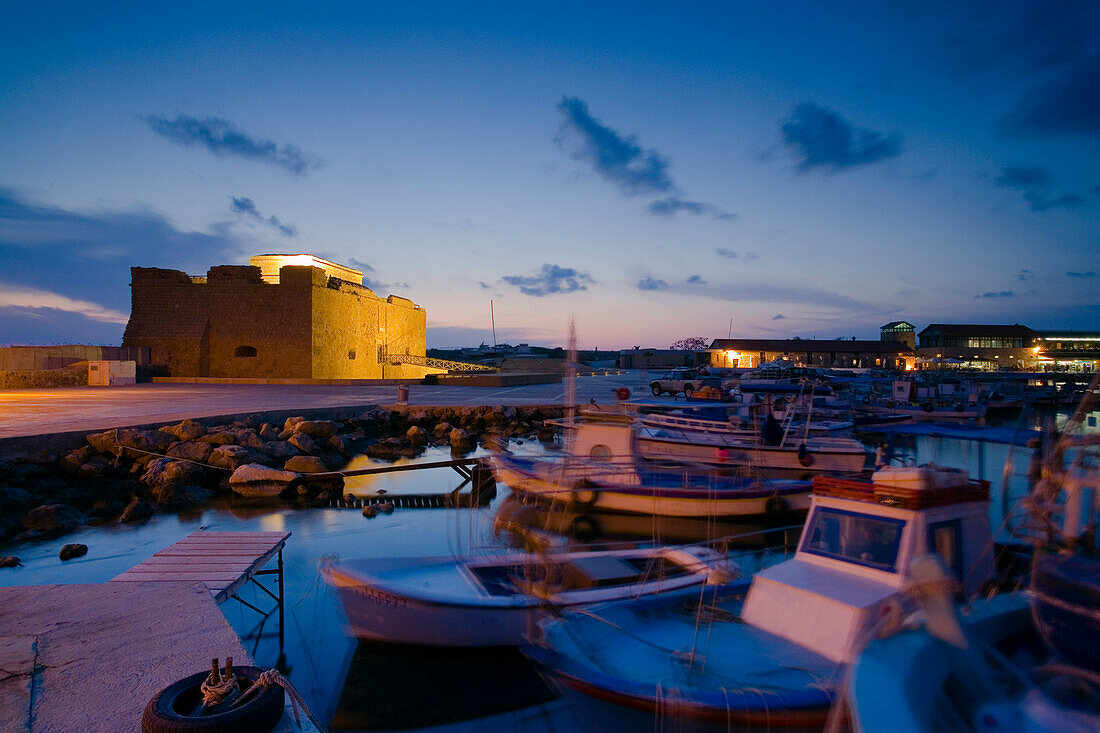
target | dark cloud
x=1036, y=185
x=484, y=286
x=246, y=207
x=820, y=138
x=1088, y=273
x=1068, y=103
x=649, y=283
x=734, y=255
x=551, y=280
x=674, y=204
x=620, y=160
x=360, y=265
x=778, y=317
x=222, y=139
x=1025, y=275
x=696, y=280
x=997, y=294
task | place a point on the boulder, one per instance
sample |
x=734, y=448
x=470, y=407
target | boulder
x=269, y=432
x=417, y=435
x=70, y=463
x=164, y=471
x=72, y=550
x=460, y=441
x=103, y=509
x=221, y=437
x=280, y=450
x=137, y=510
x=9, y=561
x=387, y=448
x=304, y=443
x=53, y=518
x=191, y=450
x=95, y=467
x=10, y=496
x=103, y=442
x=231, y=457
x=442, y=429
x=291, y=422
x=175, y=495
x=186, y=430
x=142, y=442
x=248, y=439
x=317, y=429
x=305, y=464
x=253, y=479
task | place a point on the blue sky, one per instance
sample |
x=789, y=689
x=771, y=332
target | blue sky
x=656, y=170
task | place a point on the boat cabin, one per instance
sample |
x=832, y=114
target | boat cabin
x=852, y=563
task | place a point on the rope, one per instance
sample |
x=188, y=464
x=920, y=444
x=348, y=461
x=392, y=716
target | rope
x=274, y=677
x=216, y=693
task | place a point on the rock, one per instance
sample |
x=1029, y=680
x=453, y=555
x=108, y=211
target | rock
x=460, y=440
x=323, y=496
x=350, y=498
x=253, y=479
x=9, y=561
x=546, y=434
x=369, y=511
x=13, y=497
x=68, y=552
x=304, y=443
x=165, y=471
x=74, y=460
x=338, y=444
x=191, y=450
x=442, y=429
x=103, y=442
x=137, y=510
x=24, y=473
x=142, y=442
x=417, y=435
x=280, y=450
x=269, y=432
x=291, y=422
x=317, y=429
x=186, y=430
x=387, y=448
x=385, y=507
x=510, y=412
x=248, y=439
x=95, y=467
x=231, y=457
x=305, y=464
x=175, y=495
x=222, y=437
x=496, y=443
x=105, y=509
x=53, y=518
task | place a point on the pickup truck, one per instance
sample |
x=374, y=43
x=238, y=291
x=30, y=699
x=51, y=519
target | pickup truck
x=683, y=380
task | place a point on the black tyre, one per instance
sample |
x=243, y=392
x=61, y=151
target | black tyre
x=170, y=709
x=775, y=505
x=584, y=494
x=656, y=389
x=688, y=389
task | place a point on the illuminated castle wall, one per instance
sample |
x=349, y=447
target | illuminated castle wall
x=270, y=319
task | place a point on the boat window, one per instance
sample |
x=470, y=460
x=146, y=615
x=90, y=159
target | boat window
x=945, y=539
x=857, y=538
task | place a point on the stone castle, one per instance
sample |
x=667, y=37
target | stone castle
x=280, y=316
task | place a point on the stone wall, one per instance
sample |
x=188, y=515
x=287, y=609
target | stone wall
x=233, y=324
x=29, y=358
x=68, y=377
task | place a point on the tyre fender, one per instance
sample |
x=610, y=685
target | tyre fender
x=804, y=456
x=170, y=709
x=584, y=493
x=928, y=406
x=775, y=505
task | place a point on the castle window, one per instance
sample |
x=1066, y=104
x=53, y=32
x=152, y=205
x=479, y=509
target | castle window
x=351, y=353
x=244, y=351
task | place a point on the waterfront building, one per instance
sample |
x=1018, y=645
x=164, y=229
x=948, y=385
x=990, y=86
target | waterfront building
x=835, y=353
x=979, y=346
x=281, y=316
x=1073, y=351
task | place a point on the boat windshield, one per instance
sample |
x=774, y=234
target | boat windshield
x=857, y=538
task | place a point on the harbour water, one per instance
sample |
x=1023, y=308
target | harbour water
x=361, y=686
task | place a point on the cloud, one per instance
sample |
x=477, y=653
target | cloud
x=778, y=317
x=484, y=286
x=820, y=138
x=621, y=161
x=997, y=294
x=247, y=208
x=221, y=138
x=649, y=283
x=1025, y=275
x=1088, y=273
x=734, y=255
x=86, y=256
x=1066, y=103
x=696, y=280
x=674, y=204
x=360, y=266
x=551, y=280
x=15, y=296
x=1036, y=185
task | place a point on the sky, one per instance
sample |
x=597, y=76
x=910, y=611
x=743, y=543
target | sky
x=654, y=171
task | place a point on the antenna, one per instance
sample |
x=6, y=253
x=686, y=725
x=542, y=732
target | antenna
x=493, y=318
x=731, y=329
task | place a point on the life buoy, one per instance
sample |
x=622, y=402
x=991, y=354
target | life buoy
x=165, y=713
x=928, y=406
x=584, y=494
x=804, y=456
x=622, y=393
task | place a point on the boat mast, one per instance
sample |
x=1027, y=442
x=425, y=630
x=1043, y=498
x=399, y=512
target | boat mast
x=493, y=318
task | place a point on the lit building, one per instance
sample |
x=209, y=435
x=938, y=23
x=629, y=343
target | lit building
x=836, y=353
x=1074, y=351
x=978, y=346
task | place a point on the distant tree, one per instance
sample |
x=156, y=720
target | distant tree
x=692, y=343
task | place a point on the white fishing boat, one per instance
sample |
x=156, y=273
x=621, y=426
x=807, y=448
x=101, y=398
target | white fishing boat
x=495, y=600
x=774, y=657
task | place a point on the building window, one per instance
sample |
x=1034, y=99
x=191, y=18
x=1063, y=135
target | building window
x=247, y=351
x=351, y=353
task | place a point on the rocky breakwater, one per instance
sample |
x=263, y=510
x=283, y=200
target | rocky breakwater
x=129, y=474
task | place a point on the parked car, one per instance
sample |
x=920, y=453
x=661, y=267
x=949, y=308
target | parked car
x=683, y=380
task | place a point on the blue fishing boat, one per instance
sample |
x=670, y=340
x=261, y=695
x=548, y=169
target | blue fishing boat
x=774, y=654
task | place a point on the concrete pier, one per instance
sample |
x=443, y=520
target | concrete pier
x=89, y=657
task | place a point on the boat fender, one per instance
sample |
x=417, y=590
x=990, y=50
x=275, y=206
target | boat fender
x=928, y=406
x=804, y=456
x=622, y=393
x=584, y=528
x=584, y=494
x=775, y=505
x=169, y=710
x=889, y=616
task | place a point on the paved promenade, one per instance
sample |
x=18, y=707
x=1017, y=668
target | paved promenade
x=87, y=409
